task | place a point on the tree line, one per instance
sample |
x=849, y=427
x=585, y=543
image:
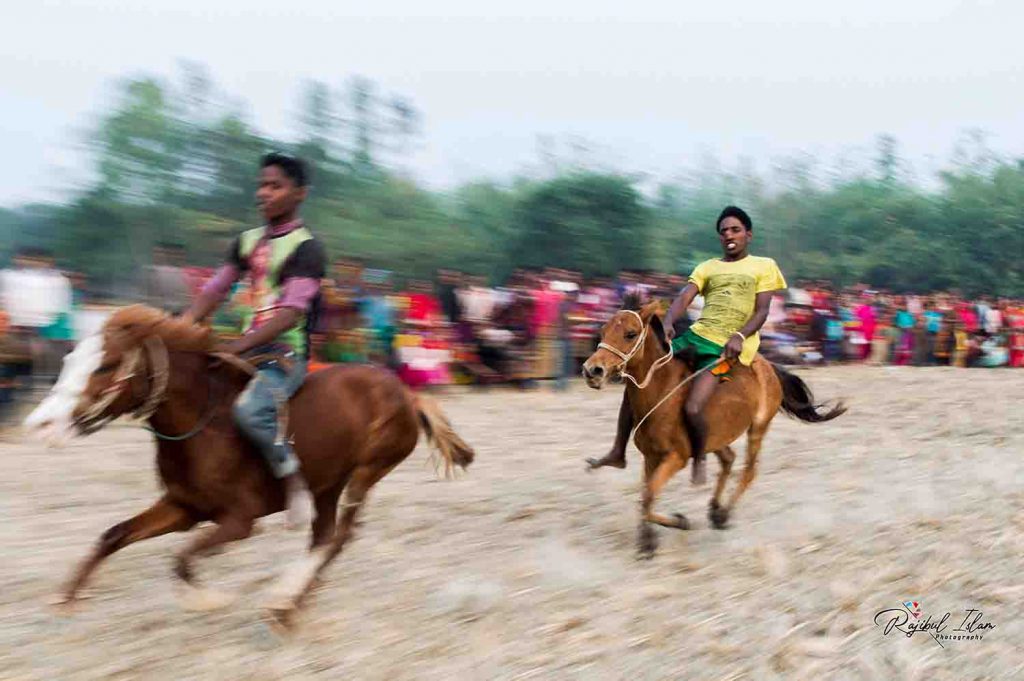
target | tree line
x=176, y=163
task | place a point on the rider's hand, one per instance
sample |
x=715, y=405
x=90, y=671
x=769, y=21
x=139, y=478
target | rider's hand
x=733, y=348
x=670, y=331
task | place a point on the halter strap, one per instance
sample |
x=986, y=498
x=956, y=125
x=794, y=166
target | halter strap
x=159, y=367
x=637, y=347
x=125, y=372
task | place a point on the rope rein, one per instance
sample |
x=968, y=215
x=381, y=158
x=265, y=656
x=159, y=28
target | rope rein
x=159, y=377
x=161, y=374
x=657, y=364
x=211, y=409
x=672, y=392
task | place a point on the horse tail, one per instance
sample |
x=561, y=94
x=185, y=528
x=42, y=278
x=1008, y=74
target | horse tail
x=453, y=449
x=798, y=401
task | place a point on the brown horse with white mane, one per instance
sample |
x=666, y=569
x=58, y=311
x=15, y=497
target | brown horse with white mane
x=745, y=404
x=350, y=425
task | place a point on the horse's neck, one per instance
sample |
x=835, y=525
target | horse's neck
x=664, y=378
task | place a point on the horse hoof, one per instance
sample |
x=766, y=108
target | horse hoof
x=647, y=542
x=195, y=599
x=62, y=605
x=280, y=617
x=681, y=522
x=719, y=516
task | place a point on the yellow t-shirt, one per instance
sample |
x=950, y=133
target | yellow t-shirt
x=730, y=290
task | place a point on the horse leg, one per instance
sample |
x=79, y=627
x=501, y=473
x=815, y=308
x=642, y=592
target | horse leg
x=161, y=518
x=326, y=520
x=754, y=438
x=228, y=529
x=294, y=585
x=662, y=472
x=716, y=513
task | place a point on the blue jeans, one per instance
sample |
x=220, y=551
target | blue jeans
x=255, y=412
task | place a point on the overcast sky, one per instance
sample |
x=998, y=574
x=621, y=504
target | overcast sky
x=654, y=86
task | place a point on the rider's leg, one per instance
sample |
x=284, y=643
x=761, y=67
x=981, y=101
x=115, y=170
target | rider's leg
x=696, y=427
x=256, y=412
x=617, y=456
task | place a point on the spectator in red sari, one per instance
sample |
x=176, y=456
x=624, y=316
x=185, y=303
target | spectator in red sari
x=1014, y=316
x=867, y=319
x=965, y=312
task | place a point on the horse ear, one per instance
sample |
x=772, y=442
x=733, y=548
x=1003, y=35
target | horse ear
x=651, y=309
x=652, y=313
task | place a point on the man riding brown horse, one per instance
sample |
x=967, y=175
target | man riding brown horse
x=284, y=264
x=737, y=291
x=351, y=425
x=721, y=346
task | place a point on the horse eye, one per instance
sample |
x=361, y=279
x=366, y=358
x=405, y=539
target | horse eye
x=630, y=335
x=107, y=368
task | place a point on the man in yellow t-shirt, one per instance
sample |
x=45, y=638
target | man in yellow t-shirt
x=737, y=290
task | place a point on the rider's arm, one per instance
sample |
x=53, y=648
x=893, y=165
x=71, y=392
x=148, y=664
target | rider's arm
x=213, y=294
x=761, y=306
x=680, y=304
x=217, y=289
x=762, y=303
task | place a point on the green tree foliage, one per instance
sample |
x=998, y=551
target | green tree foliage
x=140, y=145
x=176, y=163
x=586, y=221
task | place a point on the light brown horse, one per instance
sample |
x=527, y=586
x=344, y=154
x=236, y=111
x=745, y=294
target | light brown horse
x=350, y=426
x=745, y=404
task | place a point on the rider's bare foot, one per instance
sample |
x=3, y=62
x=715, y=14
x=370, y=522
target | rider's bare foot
x=699, y=475
x=299, y=499
x=612, y=458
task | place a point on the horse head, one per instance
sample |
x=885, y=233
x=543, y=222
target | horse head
x=122, y=369
x=624, y=338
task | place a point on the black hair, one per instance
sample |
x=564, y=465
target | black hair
x=734, y=212
x=293, y=167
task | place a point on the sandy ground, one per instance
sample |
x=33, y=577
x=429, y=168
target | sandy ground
x=525, y=567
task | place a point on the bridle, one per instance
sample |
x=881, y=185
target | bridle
x=638, y=346
x=159, y=375
x=658, y=363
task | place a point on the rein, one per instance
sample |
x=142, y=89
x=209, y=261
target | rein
x=637, y=347
x=211, y=406
x=657, y=364
x=156, y=395
x=159, y=376
x=671, y=392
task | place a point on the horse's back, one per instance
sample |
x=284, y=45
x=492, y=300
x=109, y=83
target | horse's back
x=344, y=415
x=750, y=397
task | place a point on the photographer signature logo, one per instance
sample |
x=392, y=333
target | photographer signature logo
x=908, y=621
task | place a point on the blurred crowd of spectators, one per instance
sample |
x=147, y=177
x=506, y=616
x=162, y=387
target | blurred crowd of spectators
x=540, y=324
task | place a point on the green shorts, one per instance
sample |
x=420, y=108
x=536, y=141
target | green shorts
x=703, y=351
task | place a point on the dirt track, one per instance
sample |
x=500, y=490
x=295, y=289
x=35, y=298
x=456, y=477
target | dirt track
x=525, y=569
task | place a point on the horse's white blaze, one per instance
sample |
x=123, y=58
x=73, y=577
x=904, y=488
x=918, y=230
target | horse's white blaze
x=52, y=419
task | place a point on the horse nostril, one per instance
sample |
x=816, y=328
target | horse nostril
x=597, y=372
